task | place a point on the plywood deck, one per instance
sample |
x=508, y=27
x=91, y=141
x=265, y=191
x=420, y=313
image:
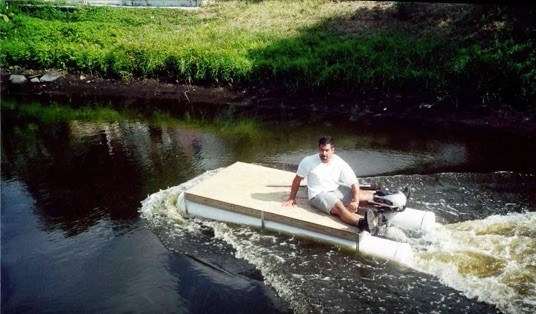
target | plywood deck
x=258, y=191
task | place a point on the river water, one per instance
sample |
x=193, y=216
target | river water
x=87, y=224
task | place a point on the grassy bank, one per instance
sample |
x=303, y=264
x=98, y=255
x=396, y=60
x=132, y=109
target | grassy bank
x=456, y=53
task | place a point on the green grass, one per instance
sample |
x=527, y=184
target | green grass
x=299, y=45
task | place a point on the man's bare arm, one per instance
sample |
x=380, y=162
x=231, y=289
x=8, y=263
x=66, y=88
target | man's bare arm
x=356, y=198
x=293, y=191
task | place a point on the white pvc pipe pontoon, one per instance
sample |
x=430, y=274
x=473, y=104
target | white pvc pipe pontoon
x=368, y=244
x=412, y=219
x=388, y=249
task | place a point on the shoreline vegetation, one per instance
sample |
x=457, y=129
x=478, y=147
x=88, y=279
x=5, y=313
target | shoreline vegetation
x=461, y=57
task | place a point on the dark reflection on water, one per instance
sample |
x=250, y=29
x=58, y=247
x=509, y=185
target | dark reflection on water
x=71, y=190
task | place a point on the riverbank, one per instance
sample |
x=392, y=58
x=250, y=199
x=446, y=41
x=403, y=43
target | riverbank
x=457, y=55
x=350, y=106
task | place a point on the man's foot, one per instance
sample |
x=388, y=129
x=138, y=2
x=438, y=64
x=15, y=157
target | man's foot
x=361, y=225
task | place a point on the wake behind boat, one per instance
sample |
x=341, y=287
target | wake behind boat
x=252, y=195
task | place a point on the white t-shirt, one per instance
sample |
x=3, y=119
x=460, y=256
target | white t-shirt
x=325, y=177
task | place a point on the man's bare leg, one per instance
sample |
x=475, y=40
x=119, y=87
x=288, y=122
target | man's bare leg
x=365, y=195
x=345, y=215
x=356, y=220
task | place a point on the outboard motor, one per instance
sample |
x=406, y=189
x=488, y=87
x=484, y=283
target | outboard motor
x=385, y=202
x=394, y=201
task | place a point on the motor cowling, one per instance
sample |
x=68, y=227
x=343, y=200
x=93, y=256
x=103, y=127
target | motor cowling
x=390, y=200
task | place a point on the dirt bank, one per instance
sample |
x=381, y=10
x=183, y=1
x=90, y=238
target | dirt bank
x=359, y=107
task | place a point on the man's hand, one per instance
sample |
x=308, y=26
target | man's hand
x=289, y=202
x=353, y=207
x=293, y=191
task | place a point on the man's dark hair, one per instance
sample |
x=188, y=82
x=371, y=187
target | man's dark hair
x=325, y=140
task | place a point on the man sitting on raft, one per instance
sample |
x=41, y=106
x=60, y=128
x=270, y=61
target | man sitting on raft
x=332, y=186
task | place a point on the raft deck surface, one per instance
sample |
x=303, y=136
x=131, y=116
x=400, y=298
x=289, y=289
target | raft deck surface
x=258, y=191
